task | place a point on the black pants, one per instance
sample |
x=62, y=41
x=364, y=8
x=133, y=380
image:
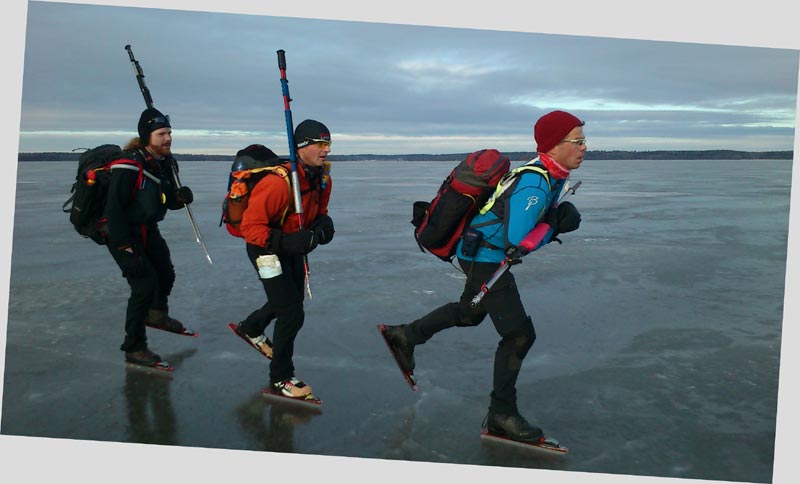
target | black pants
x=151, y=291
x=284, y=305
x=504, y=307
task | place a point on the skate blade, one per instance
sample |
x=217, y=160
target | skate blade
x=232, y=326
x=185, y=332
x=309, y=402
x=548, y=445
x=161, y=367
x=408, y=375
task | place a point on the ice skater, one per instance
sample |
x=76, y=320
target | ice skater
x=134, y=206
x=276, y=246
x=505, y=231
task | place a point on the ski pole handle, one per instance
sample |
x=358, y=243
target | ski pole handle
x=148, y=100
x=282, y=61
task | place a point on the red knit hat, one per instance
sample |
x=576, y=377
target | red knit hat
x=551, y=129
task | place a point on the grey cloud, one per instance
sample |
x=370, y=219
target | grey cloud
x=214, y=71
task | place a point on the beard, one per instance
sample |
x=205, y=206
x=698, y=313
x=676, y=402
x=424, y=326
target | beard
x=161, y=151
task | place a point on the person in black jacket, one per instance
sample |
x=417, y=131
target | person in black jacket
x=136, y=202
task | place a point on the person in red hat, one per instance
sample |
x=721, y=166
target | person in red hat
x=276, y=245
x=505, y=227
x=134, y=207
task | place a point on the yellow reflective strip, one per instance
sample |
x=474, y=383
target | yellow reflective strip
x=502, y=186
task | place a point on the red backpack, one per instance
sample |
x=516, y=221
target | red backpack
x=440, y=223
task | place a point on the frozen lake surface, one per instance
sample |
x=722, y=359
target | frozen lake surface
x=658, y=327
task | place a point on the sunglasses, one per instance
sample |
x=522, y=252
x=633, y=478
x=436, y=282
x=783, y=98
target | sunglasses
x=160, y=120
x=308, y=141
x=579, y=141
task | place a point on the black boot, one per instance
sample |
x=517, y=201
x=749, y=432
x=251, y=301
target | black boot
x=160, y=319
x=404, y=352
x=513, y=426
x=142, y=357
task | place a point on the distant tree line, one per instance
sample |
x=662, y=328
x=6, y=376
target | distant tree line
x=690, y=155
x=514, y=156
x=594, y=155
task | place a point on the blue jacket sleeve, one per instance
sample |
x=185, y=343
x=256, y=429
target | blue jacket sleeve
x=526, y=206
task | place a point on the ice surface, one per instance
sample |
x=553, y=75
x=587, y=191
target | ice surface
x=658, y=327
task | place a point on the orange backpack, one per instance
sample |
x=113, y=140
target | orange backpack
x=249, y=167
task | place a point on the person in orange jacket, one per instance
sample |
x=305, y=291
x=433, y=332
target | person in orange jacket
x=276, y=246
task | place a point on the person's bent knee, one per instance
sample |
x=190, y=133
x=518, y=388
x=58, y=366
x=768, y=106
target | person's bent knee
x=471, y=320
x=470, y=316
x=291, y=312
x=522, y=338
x=143, y=287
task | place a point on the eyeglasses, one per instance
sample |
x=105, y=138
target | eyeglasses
x=579, y=141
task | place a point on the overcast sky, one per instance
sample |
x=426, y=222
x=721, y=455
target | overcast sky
x=370, y=82
x=384, y=88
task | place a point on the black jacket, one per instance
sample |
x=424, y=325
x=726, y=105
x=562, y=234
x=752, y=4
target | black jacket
x=133, y=205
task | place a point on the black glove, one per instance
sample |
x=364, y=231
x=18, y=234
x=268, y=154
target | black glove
x=132, y=264
x=323, y=229
x=296, y=243
x=564, y=218
x=184, y=195
x=569, y=218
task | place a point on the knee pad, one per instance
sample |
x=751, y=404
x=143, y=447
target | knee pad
x=522, y=339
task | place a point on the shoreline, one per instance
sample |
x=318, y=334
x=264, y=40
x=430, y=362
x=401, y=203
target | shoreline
x=452, y=157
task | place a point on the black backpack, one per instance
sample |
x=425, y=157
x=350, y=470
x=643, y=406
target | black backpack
x=250, y=165
x=86, y=204
x=440, y=223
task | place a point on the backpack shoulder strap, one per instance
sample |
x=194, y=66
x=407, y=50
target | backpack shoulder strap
x=283, y=172
x=128, y=164
x=245, y=175
x=509, y=178
x=133, y=166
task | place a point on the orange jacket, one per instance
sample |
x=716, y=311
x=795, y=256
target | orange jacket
x=271, y=205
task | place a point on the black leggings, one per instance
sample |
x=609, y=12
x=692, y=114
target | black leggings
x=284, y=305
x=505, y=309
